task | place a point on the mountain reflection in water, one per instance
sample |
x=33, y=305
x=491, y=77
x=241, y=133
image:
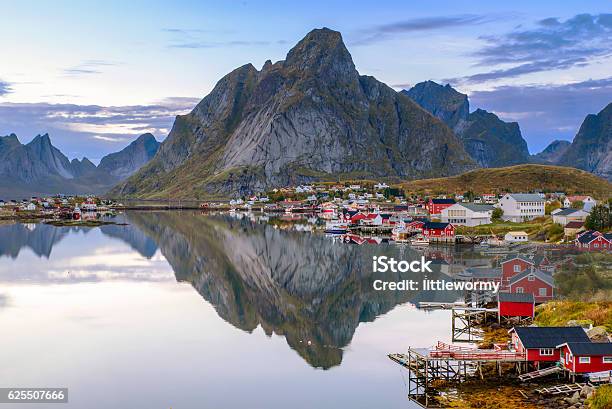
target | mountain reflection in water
x=303, y=286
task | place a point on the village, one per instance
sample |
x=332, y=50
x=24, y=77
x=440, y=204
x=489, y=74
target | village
x=529, y=235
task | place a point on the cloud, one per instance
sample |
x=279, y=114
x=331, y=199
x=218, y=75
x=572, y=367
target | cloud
x=386, y=31
x=88, y=67
x=551, y=45
x=5, y=88
x=108, y=138
x=195, y=38
x=91, y=130
x=546, y=111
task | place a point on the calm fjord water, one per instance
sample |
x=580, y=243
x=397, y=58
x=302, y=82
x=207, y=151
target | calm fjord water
x=183, y=310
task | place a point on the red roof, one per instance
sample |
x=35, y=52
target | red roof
x=574, y=225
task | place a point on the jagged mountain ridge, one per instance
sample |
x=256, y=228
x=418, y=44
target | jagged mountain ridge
x=591, y=149
x=126, y=162
x=39, y=168
x=553, y=152
x=309, y=117
x=490, y=141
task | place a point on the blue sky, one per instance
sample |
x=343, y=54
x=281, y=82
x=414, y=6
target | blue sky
x=97, y=75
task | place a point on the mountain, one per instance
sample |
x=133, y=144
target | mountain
x=444, y=102
x=553, y=152
x=518, y=178
x=38, y=168
x=310, y=117
x=490, y=141
x=591, y=149
x=127, y=161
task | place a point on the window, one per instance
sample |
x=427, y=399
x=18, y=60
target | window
x=607, y=359
x=520, y=290
x=531, y=278
x=584, y=360
x=546, y=351
x=517, y=268
x=542, y=292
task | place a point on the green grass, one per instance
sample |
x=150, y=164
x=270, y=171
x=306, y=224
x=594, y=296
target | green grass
x=602, y=399
x=540, y=229
x=520, y=178
x=558, y=313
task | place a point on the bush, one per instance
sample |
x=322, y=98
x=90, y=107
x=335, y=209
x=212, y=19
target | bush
x=602, y=399
x=497, y=214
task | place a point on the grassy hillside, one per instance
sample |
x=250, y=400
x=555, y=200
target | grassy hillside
x=520, y=178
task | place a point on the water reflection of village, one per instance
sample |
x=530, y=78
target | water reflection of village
x=282, y=272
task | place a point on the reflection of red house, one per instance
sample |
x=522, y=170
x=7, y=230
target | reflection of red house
x=435, y=206
x=357, y=217
x=541, y=343
x=512, y=266
x=434, y=229
x=584, y=357
x=535, y=282
x=516, y=304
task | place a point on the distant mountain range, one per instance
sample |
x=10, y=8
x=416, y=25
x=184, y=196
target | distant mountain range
x=39, y=168
x=310, y=117
x=492, y=142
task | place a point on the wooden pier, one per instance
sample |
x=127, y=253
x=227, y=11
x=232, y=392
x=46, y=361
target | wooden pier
x=447, y=363
x=466, y=321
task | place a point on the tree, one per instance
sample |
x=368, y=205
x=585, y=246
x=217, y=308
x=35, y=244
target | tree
x=578, y=204
x=552, y=206
x=600, y=218
x=497, y=214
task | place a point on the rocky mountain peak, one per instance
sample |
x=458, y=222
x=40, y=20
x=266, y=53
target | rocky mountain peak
x=443, y=101
x=322, y=52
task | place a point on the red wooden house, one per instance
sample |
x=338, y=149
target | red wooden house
x=536, y=282
x=593, y=240
x=416, y=225
x=585, y=357
x=435, y=206
x=519, y=305
x=540, y=344
x=512, y=266
x=438, y=230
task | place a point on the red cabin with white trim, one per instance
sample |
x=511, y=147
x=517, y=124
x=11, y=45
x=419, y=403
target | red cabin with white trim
x=585, y=357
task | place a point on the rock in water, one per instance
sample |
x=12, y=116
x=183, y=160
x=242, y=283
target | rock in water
x=311, y=117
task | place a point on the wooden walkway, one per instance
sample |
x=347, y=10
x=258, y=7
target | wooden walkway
x=559, y=389
x=539, y=373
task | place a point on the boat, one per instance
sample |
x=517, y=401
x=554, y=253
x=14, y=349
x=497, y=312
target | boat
x=419, y=241
x=336, y=227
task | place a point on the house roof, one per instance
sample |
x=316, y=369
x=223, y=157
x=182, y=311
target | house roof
x=539, y=274
x=443, y=201
x=513, y=256
x=515, y=297
x=565, y=212
x=549, y=337
x=589, y=348
x=574, y=225
x=517, y=233
x=482, y=272
x=526, y=197
x=435, y=225
x=477, y=207
x=590, y=235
